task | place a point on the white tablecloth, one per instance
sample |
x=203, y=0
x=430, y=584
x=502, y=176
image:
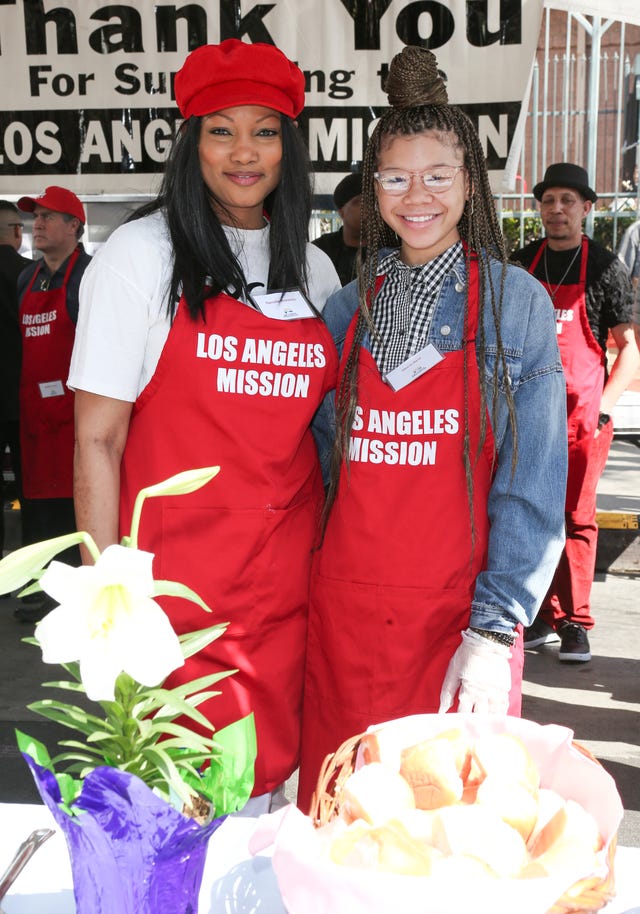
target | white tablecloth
x=233, y=881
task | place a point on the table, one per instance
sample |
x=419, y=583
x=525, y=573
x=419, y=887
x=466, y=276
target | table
x=233, y=881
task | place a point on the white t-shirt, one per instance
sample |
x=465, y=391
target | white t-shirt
x=123, y=323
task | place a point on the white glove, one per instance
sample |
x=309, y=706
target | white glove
x=480, y=669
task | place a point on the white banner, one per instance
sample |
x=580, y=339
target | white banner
x=87, y=87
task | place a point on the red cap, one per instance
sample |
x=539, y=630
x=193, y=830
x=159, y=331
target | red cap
x=58, y=199
x=231, y=73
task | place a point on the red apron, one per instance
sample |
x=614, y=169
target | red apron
x=393, y=582
x=46, y=404
x=237, y=390
x=583, y=361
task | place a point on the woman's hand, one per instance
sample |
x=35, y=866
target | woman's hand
x=479, y=672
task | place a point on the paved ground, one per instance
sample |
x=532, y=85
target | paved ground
x=599, y=700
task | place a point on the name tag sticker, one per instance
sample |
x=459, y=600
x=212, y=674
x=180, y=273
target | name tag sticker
x=414, y=367
x=284, y=306
x=51, y=389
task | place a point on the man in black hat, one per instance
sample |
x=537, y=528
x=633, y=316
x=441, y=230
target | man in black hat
x=343, y=244
x=592, y=297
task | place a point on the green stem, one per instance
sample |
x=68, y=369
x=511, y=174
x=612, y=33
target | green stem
x=135, y=519
x=92, y=549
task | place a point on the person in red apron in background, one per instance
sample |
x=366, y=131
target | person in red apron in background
x=441, y=533
x=591, y=294
x=187, y=356
x=48, y=309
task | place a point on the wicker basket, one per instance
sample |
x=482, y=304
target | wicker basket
x=586, y=896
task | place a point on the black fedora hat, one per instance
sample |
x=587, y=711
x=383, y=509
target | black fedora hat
x=565, y=174
x=347, y=189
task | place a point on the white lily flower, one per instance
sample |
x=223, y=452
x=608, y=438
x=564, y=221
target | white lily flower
x=108, y=622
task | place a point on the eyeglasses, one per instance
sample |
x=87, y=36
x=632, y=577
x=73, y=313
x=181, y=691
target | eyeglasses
x=436, y=181
x=21, y=224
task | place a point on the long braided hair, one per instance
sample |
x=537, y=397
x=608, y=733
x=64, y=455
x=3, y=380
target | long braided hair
x=419, y=103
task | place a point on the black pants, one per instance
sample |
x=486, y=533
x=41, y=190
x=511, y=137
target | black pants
x=44, y=518
x=9, y=438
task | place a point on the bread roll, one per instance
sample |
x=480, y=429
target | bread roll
x=418, y=822
x=375, y=793
x=342, y=844
x=570, y=856
x=549, y=802
x=513, y=802
x=476, y=831
x=399, y=853
x=431, y=770
x=387, y=848
x=571, y=821
x=386, y=744
x=506, y=757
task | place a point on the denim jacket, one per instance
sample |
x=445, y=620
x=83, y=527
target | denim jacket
x=526, y=509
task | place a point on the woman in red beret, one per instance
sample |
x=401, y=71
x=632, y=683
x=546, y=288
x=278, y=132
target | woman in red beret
x=188, y=355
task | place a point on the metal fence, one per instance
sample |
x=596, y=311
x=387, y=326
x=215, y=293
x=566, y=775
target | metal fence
x=583, y=108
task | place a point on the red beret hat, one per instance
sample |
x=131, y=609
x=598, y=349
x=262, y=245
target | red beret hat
x=58, y=199
x=231, y=73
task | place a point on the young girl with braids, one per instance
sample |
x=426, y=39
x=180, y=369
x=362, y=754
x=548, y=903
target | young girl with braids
x=444, y=519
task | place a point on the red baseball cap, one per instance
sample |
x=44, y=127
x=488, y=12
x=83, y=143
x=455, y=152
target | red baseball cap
x=58, y=199
x=231, y=73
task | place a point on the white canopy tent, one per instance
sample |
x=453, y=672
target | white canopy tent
x=620, y=10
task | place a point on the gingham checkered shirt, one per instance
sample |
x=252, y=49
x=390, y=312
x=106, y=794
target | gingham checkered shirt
x=404, y=306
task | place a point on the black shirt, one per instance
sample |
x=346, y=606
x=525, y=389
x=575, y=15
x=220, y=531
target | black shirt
x=56, y=280
x=342, y=256
x=609, y=295
x=11, y=265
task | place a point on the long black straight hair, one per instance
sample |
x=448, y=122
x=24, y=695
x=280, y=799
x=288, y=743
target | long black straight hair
x=203, y=263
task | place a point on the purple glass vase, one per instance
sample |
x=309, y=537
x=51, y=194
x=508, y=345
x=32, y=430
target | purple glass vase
x=131, y=852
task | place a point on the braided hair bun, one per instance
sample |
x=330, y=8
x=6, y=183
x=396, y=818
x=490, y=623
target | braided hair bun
x=414, y=80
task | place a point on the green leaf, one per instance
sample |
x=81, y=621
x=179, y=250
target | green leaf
x=167, y=728
x=229, y=779
x=190, y=748
x=34, y=749
x=175, y=589
x=197, y=685
x=68, y=715
x=22, y=565
x=65, y=684
x=70, y=789
x=32, y=588
x=165, y=713
x=98, y=736
x=79, y=757
x=193, y=642
x=164, y=765
x=179, y=706
x=83, y=747
x=73, y=669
